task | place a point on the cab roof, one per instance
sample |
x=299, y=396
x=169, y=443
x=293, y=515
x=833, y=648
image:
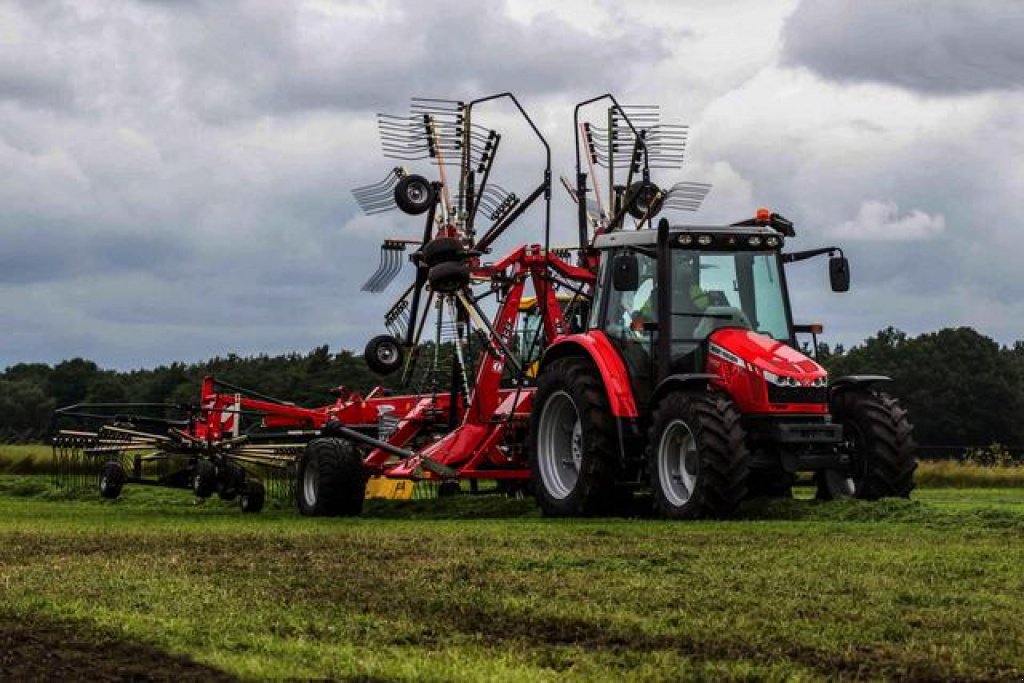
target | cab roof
x=722, y=237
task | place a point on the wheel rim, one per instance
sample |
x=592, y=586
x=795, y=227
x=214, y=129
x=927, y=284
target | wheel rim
x=560, y=445
x=387, y=353
x=678, y=463
x=416, y=193
x=311, y=482
x=843, y=484
x=104, y=483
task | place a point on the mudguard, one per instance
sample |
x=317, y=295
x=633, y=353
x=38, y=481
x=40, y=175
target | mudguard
x=595, y=346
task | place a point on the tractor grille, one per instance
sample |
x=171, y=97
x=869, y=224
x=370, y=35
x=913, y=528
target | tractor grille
x=778, y=394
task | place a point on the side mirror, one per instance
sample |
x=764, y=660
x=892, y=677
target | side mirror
x=626, y=273
x=839, y=273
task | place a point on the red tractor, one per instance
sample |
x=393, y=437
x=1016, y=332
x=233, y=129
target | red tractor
x=689, y=382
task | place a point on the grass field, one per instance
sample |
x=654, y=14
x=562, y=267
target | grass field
x=473, y=588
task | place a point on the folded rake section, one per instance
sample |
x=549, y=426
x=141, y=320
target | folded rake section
x=380, y=196
x=686, y=196
x=391, y=260
x=616, y=145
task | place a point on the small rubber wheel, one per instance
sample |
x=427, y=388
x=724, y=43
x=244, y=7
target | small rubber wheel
x=414, y=194
x=231, y=483
x=442, y=250
x=253, y=496
x=112, y=478
x=447, y=278
x=644, y=200
x=384, y=354
x=331, y=479
x=204, y=479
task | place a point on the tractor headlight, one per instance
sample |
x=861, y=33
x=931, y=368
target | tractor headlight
x=820, y=382
x=772, y=241
x=754, y=241
x=685, y=239
x=704, y=240
x=781, y=380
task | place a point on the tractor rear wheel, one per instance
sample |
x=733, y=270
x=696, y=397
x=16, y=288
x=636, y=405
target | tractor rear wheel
x=331, y=479
x=698, y=457
x=112, y=478
x=572, y=441
x=880, y=445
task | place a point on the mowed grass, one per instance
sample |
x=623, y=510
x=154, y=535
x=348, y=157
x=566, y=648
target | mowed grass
x=482, y=588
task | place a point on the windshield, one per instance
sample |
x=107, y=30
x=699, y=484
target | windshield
x=709, y=290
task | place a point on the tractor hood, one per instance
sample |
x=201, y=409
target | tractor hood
x=760, y=353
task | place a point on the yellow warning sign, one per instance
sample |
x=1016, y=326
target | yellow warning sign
x=389, y=489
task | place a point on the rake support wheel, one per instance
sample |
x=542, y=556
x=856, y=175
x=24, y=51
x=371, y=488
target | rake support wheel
x=384, y=354
x=698, y=458
x=414, y=194
x=880, y=445
x=331, y=479
x=112, y=478
x=253, y=496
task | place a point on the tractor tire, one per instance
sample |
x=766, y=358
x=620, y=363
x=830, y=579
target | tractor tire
x=204, y=479
x=331, y=479
x=384, y=354
x=442, y=250
x=112, y=479
x=572, y=441
x=698, y=456
x=414, y=194
x=448, y=277
x=252, y=496
x=881, y=447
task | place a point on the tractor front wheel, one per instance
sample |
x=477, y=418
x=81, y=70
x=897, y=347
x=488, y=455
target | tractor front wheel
x=879, y=443
x=698, y=457
x=331, y=479
x=572, y=441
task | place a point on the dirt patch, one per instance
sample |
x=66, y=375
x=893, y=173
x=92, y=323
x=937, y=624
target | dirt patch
x=36, y=649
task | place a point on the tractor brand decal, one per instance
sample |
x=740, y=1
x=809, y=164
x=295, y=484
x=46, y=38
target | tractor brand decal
x=729, y=356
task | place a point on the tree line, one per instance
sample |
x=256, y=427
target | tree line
x=961, y=387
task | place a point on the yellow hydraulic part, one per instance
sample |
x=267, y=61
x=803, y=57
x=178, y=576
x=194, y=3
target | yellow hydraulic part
x=390, y=489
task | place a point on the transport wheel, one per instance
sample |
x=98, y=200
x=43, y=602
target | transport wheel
x=112, y=478
x=642, y=200
x=572, y=441
x=880, y=444
x=204, y=479
x=414, y=194
x=252, y=496
x=698, y=457
x=331, y=479
x=232, y=481
x=384, y=354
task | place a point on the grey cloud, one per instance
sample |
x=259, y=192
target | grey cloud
x=931, y=46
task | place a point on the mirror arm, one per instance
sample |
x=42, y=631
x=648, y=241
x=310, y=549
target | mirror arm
x=810, y=253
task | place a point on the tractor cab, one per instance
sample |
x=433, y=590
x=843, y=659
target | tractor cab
x=716, y=278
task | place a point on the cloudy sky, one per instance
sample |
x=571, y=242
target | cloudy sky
x=176, y=175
